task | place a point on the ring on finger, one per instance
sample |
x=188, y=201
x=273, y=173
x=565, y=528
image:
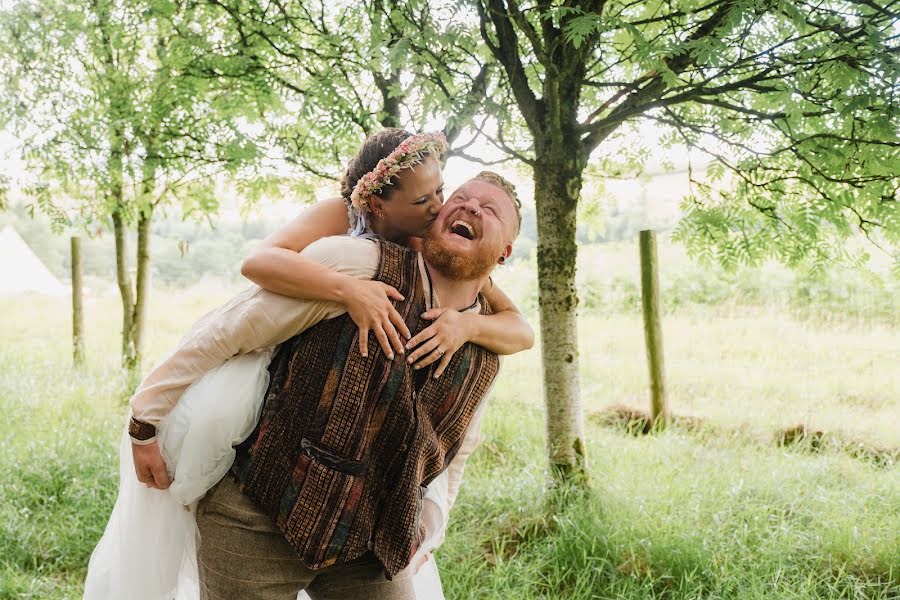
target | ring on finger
x=440, y=351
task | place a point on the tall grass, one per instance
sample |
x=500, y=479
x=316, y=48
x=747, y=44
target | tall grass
x=678, y=515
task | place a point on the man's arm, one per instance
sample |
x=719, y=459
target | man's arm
x=470, y=441
x=254, y=319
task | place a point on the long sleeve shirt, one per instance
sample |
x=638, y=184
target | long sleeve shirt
x=257, y=318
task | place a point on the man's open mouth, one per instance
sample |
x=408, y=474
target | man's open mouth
x=462, y=229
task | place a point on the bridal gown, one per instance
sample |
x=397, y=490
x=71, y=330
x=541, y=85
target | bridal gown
x=148, y=550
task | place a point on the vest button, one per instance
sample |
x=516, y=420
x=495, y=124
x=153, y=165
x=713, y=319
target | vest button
x=403, y=447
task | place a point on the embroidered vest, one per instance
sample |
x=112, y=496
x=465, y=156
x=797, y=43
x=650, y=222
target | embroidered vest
x=346, y=444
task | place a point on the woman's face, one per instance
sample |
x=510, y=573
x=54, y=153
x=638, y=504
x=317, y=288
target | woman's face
x=416, y=199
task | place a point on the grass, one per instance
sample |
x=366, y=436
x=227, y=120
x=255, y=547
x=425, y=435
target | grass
x=679, y=515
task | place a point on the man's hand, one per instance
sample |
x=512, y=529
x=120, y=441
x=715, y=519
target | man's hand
x=150, y=466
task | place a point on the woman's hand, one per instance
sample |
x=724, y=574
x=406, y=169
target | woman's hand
x=440, y=340
x=369, y=305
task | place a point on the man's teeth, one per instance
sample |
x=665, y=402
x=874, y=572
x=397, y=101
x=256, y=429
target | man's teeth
x=464, y=225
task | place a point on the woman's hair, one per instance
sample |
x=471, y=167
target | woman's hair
x=376, y=147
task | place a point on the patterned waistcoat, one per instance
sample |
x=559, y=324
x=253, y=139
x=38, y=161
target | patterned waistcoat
x=346, y=444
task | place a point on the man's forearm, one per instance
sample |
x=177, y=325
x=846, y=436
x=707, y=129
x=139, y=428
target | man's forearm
x=469, y=443
x=213, y=340
x=255, y=318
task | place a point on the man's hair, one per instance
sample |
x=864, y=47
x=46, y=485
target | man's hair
x=502, y=183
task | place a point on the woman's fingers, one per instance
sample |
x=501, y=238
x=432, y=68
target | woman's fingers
x=420, y=337
x=426, y=344
x=400, y=324
x=364, y=340
x=436, y=354
x=434, y=313
x=392, y=292
x=383, y=341
x=393, y=336
x=445, y=360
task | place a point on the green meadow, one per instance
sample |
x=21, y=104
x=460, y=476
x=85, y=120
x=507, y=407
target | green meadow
x=721, y=505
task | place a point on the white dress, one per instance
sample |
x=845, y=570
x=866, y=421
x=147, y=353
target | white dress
x=148, y=550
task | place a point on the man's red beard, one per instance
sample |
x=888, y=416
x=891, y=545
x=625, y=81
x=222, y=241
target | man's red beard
x=458, y=267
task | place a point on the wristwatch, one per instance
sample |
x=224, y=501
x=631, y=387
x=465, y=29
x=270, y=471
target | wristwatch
x=141, y=431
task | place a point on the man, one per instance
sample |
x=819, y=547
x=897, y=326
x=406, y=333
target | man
x=326, y=494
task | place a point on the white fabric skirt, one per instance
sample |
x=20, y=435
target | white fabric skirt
x=148, y=550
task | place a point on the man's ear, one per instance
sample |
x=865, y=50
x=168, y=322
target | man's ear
x=507, y=252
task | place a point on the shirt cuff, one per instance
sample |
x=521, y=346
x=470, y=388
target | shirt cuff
x=143, y=442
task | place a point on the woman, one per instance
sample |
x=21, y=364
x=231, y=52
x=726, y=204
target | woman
x=394, y=189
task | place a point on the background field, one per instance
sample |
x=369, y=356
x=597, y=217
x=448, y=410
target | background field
x=713, y=508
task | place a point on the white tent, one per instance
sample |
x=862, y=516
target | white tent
x=21, y=271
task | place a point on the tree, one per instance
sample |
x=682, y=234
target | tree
x=342, y=70
x=110, y=118
x=799, y=97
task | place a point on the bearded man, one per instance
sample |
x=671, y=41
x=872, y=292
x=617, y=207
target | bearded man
x=326, y=494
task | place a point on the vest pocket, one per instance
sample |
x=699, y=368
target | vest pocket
x=330, y=460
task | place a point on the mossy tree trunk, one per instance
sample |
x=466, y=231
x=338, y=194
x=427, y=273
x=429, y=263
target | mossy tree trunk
x=142, y=287
x=126, y=290
x=557, y=187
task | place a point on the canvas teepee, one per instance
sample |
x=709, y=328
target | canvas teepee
x=21, y=271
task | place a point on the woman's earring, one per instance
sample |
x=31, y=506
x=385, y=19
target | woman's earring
x=502, y=259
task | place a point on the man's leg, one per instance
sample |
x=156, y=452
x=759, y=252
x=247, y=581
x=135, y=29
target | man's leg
x=362, y=579
x=242, y=555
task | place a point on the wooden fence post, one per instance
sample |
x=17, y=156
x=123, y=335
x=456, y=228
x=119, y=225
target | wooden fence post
x=659, y=414
x=77, y=304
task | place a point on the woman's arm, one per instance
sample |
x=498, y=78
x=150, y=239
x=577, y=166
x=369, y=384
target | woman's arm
x=277, y=267
x=504, y=332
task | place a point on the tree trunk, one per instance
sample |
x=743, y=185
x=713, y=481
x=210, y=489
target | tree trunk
x=77, y=304
x=390, y=116
x=653, y=329
x=142, y=285
x=125, y=290
x=557, y=188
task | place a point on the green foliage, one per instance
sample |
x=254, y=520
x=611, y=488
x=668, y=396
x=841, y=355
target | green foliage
x=794, y=103
x=333, y=73
x=111, y=116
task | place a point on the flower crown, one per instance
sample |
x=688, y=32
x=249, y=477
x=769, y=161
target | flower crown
x=409, y=153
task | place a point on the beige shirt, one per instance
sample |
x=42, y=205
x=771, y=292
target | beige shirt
x=257, y=318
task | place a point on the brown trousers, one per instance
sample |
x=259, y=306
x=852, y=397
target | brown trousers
x=243, y=556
